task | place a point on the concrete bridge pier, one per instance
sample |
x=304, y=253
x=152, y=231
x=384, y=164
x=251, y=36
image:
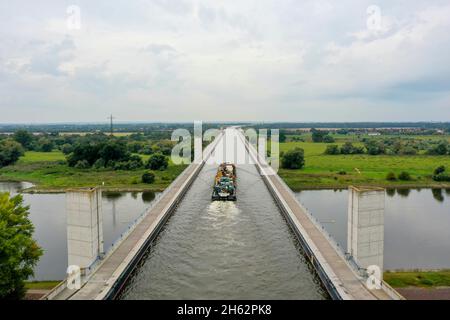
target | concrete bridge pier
x=84, y=227
x=365, y=243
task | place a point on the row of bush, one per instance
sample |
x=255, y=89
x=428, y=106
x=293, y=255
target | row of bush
x=346, y=148
x=403, y=176
x=134, y=143
x=134, y=162
x=440, y=175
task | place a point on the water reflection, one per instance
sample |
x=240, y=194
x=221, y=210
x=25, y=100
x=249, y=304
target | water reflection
x=148, y=196
x=113, y=195
x=390, y=192
x=13, y=187
x=438, y=195
x=403, y=192
x=417, y=224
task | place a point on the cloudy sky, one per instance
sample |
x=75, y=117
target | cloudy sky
x=183, y=60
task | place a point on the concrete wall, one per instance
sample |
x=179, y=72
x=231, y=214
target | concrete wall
x=84, y=226
x=366, y=226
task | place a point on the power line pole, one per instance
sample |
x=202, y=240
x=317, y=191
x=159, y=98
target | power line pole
x=111, y=124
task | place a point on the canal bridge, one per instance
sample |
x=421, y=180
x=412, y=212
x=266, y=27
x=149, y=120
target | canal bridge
x=342, y=278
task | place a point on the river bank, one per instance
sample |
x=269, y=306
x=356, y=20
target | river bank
x=50, y=174
x=420, y=285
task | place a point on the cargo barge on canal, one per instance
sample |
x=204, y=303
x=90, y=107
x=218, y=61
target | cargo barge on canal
x=225, y=183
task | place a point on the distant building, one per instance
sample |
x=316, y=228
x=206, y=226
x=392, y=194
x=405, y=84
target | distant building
x=374, y=134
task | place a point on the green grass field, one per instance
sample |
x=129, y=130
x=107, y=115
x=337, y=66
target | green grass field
x=41, y=285
x=322, y=171
x=48, y=172
x=32, y=156
x=427, y=279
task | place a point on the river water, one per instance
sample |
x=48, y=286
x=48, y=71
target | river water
x=416, y=224
x=225, y=250
x=47, y=212
x=242, y=249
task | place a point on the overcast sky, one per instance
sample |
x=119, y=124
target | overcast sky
x=183, y=60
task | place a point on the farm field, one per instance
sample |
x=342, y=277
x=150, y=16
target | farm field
x=340, y=171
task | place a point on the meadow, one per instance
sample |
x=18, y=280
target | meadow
x=425, y=279
x=340, y=171
x=49, y=172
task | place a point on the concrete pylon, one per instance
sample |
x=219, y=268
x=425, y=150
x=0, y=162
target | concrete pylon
x=366, y=226
x=84, y=226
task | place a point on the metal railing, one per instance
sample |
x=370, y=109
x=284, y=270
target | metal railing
x=146, y=211
x=87, y=272
x=338, y=248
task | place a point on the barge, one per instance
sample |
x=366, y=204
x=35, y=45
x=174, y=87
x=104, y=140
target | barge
x=225, y=183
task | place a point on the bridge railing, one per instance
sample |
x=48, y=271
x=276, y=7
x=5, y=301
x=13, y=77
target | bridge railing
x=339, y=249
x=89, y=270
x=146, y=211
x=86, y=272
x=351, y=261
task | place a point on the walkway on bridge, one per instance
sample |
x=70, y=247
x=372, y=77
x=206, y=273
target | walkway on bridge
x=106, y=276
x=340, y=278
x=335, y=270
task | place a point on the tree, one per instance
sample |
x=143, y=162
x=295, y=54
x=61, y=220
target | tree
x=375, y=147
x=157, y=162
x=91, y=150
x=44, y=145
x=440, y=149
x=318, y=135
x=83, y=151
x=99, y=164
x=148, y=177
x=135, y=162
x=332, y=150
x=113, y=151
x=439, y=170
x=24, y=138
x=440, y=175
x=147, y=150
x=66, y=148
x=82, y=164
x=391, y=176
x=10, y=152
x=293, y=159
x=135, y=146
x=407, y=151
x=404, y=176
x=347, y=148
x=19, y=252
x=282, y=136
x=328, y=139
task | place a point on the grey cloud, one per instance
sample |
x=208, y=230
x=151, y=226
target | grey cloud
x=309, y=57
x=159, y=48
x=49, y=60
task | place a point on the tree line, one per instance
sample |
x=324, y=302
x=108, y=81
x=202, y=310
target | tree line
x=391, y=146
x=90, y=151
